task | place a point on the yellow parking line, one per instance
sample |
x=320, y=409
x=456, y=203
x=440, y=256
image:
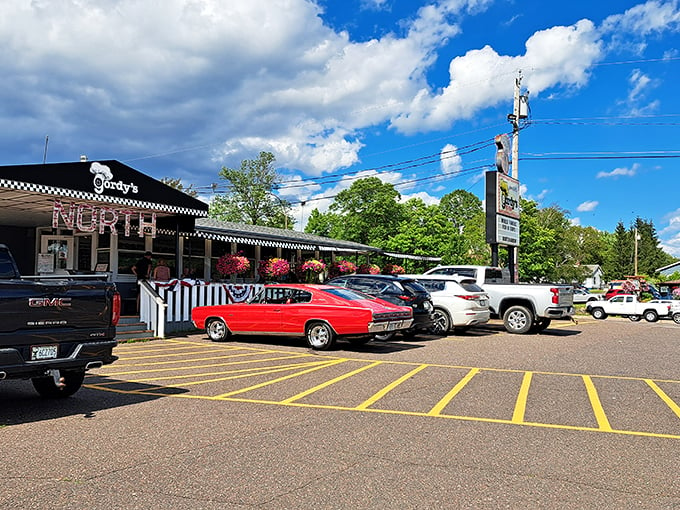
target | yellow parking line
x=600, y=416
x=389, y=388
x=250, y=372
x=192, y=367
x=328, y=383
x=521, y=403
x=439, y=407
x=668, y=400
x=164, y=355
x=268, y=383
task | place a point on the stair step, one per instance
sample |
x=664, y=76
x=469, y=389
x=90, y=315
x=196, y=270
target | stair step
x=132, y=326
x=135, y=335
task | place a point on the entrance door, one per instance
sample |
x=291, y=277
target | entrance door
x=61, y=250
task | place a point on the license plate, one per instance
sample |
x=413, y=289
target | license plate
x=39, y=352
x=391, y=326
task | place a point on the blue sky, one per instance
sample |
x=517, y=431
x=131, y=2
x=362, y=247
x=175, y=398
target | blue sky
x=409, y=91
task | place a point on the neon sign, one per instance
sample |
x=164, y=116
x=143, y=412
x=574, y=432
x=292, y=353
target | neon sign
x=88, y=218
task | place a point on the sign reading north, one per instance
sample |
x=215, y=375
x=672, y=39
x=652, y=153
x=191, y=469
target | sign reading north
x=90, y=218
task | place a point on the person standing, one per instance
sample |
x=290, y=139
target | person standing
x=142, y=270
x=162, y=272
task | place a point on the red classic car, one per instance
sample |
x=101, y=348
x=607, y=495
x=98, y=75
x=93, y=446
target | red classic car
x=320, y=313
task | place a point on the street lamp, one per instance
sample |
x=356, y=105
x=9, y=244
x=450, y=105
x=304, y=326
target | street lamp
x=283, y=209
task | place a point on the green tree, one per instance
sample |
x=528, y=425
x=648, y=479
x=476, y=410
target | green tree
x=177, y=184
x=324, y=224
x=619, y=259
x=250, y=196
x=423, y=231
x=548, y=251
x=467, y=244
x=370, y=211
x=650, y=255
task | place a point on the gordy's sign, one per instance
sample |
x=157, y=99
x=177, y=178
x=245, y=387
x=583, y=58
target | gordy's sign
x=103, y=179
x=88, y=218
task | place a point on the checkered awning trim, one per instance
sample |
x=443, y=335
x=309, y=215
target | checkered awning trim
x=81, y=195
x=261, y=242
x=412, y=257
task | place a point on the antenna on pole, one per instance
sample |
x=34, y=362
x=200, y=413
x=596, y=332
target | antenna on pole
x=47, y=139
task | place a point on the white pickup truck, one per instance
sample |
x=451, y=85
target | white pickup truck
x=524, y=308
x=628, y=305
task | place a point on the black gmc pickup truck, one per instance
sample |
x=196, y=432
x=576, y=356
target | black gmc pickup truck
x=54, y=329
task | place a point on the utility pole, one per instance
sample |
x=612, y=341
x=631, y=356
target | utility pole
x=513, y=255
x=637, y=238
x=515, y=126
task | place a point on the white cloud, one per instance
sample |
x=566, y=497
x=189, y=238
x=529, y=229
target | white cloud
x=639, y=82
x=375, y=5
x=640, y=86
x=423, y=195
x=643, y=19
x=619, y=172
x=559, y=55
x=451, y=162
x=135, y=80
x=587, y=206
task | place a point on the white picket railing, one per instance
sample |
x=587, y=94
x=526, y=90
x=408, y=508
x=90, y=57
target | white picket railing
x=165, y=307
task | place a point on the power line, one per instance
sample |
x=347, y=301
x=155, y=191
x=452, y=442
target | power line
x=419, y=162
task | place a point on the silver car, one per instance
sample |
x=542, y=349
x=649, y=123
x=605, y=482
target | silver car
x=584, y=296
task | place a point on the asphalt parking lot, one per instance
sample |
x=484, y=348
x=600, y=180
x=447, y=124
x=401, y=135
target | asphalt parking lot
x=582, y=415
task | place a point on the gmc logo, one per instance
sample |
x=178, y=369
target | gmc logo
x=44, y=302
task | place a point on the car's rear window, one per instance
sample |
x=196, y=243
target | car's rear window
x=470, y=286
x=348, y=294
x=433, y=285
x=414, y=287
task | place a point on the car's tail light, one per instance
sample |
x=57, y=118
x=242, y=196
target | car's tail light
x=406, y=298
x=467, y=297
x=555, y=295
x=115, y=312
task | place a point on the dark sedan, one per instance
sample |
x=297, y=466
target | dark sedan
x=399, y=290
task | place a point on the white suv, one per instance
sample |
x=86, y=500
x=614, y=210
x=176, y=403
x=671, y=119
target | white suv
x=459, y=303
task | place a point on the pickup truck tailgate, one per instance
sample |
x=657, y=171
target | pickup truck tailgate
x=565, y=296
x=40, y=305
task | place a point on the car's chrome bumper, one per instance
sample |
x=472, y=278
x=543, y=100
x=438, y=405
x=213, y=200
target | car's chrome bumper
x=381, y=327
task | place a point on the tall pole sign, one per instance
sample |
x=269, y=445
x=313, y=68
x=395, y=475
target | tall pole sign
x=502, y=189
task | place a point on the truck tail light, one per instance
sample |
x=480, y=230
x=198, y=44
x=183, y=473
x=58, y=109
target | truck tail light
x=555, y=295
x=115, y=313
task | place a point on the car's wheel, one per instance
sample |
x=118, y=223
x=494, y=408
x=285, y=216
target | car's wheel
x=384, y=337
x=598, y=313
x=541, y=324
x=651, y=316
x=70, y=381
x=217, y=330
x=518, y=319
x=441, y=322
x=676, y=317
x=634, y=318
x=320, y=336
